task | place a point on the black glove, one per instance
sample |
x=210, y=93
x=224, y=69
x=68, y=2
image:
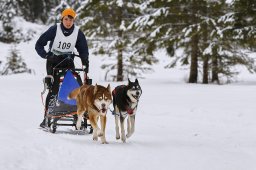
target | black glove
x=85, y=63
x=50, y=56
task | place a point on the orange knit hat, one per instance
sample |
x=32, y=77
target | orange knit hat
x=68, y=11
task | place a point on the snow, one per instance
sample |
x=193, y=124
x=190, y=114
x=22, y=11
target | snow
x=122, y=26
x=120, y=3
x=229, y=1
x=179, y=126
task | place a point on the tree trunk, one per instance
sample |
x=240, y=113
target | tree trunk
x=215, y=76
x=194, y=46
x=119, y=76
x=206, y=56
x=119, y=47
x=205, y=69
x=205, y=45
x=194, y=59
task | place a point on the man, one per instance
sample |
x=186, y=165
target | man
x=64, y=37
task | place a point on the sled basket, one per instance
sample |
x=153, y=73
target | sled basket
x=60, y=105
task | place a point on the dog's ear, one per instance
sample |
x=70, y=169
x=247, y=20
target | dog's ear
x=109, y=88
x=129, y=81
x=136, y=81
x=95, y=89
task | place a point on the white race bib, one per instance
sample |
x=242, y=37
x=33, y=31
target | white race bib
x=64, y=44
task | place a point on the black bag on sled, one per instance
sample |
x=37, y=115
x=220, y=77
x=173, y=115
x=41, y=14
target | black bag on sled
x=60, y=105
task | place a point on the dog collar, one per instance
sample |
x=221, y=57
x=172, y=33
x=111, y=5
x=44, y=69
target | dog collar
x=95, y=108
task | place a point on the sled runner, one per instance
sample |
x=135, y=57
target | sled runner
x=60, y=111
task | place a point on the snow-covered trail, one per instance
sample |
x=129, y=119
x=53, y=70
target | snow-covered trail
x=178, y=126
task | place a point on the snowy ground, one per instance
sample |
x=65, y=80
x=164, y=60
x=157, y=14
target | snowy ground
x=179, y=126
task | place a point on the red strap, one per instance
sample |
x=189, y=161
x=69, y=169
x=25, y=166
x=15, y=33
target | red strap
x=42, y=98
x=130, y=111
x=85, y=78
x=114, y=91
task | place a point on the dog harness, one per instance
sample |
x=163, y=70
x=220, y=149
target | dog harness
x=118, y=87
x=129, y=109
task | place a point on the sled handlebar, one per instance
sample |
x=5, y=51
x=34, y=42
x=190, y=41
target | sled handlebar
x=86, y=79
x=68, y=57
x=72, y=69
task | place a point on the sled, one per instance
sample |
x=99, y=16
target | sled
x=62, y=111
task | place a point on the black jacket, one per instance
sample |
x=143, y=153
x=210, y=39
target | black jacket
x=49, y=35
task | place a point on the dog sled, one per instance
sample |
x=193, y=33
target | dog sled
x=61, y=111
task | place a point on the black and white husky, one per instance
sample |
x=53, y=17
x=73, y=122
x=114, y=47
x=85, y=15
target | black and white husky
x=125, y=103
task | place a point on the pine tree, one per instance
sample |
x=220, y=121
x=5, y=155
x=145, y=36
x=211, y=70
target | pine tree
x=105, y=23
x=171, y=25
x=14, y=64
x=213, y=39
x=224, y=49
x=201, y=29
x=31, y=9
x=10, y=31
x=244, y=23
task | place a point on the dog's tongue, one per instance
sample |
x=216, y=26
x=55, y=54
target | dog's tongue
x=136, y=97
x=104, y=110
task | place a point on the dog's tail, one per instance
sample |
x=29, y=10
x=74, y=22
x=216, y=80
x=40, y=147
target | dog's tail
x=74, y=93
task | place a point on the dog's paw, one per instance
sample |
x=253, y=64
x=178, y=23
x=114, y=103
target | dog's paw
x=95, y=138
x=117, y=137
x=104, y=142
x=123, y=139
x=78, y=127
x=100, y=133
x=128, y=135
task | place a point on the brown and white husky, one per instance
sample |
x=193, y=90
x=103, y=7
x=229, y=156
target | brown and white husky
x=94, y=100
